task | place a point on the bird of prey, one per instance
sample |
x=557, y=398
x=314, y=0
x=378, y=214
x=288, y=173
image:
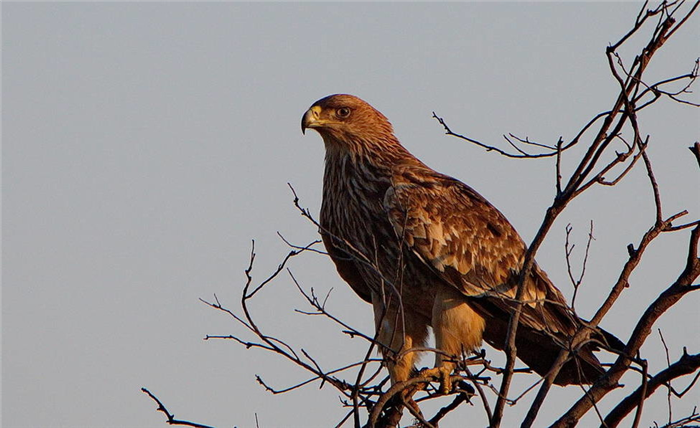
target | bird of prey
x=429, y=251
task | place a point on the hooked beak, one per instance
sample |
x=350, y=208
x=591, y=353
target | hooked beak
x=311, y=119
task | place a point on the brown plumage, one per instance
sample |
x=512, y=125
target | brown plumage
x=427, y=250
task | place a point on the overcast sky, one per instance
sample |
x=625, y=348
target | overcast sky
x=145, y=145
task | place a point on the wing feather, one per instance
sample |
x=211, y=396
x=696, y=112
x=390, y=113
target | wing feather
x=470, y=245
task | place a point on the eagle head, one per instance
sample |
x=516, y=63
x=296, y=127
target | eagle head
x=344, y=118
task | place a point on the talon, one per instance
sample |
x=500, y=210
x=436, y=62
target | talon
x=442, y=373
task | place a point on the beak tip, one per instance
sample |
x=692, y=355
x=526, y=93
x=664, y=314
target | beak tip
x=303, y=124
x=310, y=119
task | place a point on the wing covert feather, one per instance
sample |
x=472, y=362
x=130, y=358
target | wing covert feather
x=470, y=245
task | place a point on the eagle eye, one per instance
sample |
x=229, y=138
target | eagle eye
x=343, y=112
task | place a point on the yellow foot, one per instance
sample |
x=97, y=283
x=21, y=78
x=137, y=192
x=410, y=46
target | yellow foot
x=442, y=373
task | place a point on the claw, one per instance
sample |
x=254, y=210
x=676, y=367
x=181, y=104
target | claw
x=442, y=373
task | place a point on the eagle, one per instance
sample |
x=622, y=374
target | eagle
x=428, y=251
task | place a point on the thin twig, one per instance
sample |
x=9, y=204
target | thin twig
x=171, y=417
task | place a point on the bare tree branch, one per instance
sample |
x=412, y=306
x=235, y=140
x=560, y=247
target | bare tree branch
x=171, y=417
x=682, y=286
x=687, y=364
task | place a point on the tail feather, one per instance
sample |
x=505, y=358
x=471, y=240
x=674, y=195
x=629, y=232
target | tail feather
x=538, y=351
x=611, y=341
x=582, y=368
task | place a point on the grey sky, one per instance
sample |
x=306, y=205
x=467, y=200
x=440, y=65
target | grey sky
x=145, y=145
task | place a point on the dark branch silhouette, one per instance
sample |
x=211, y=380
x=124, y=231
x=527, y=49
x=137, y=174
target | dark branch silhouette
x=171, y=417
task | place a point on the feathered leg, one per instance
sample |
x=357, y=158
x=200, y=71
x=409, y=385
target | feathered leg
x=457, y=329
x=398, y=333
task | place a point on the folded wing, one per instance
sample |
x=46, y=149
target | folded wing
x=468, y=244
